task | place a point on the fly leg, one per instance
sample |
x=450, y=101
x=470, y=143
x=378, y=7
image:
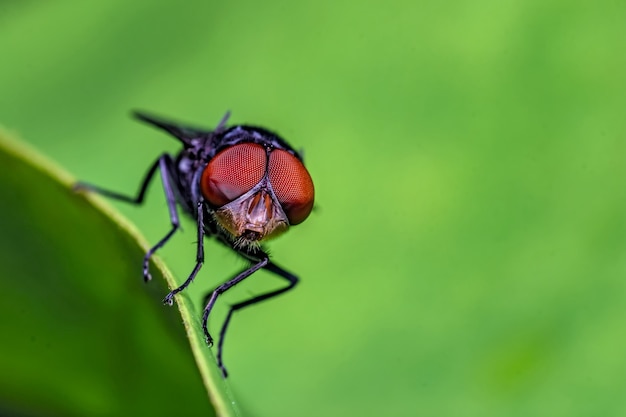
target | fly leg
x=223, y=288
x=293, y=280
x=169, y=299
x=165, y=164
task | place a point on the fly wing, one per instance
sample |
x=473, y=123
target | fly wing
x=182, y=132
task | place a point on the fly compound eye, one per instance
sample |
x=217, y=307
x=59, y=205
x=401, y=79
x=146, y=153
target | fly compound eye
x=292, y=185
x=233, y=172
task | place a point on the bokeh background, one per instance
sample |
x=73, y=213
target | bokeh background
x=467, y=255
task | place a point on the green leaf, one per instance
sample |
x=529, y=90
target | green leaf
x=81, y=333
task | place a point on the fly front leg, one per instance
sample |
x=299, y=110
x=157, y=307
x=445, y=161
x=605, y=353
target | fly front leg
x=225, y=287
x=292, y=281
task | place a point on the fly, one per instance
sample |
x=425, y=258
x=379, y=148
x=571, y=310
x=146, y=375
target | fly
x=242, y=185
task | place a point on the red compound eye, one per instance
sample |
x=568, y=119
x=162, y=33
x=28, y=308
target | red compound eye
x=292, y=184
x=232, y=173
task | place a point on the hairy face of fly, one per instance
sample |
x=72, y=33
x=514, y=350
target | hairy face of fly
x=258, y=192
x=253, y=217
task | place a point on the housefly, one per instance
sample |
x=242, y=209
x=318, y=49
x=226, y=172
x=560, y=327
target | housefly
x=242, y=185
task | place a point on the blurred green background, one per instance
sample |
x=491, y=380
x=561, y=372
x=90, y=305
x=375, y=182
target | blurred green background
x=468, y=252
